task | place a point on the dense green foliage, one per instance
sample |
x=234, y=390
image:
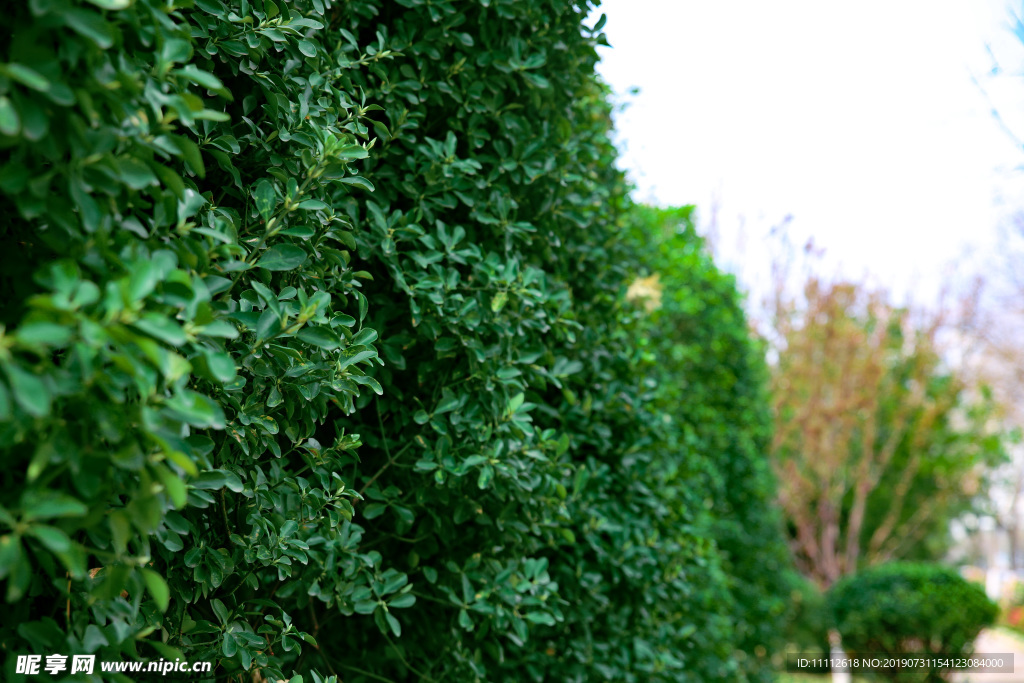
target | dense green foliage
x=316, y=356
x=904, y=607
x=809, y=619
x=717, y=426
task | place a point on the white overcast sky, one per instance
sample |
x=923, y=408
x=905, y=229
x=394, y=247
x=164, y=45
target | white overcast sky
x=858, y=119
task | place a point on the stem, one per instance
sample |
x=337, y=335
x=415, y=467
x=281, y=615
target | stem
x=408, y=666
x=363, y=672
x=387, y=452
x=390, y=462
x=241, y=583
x=224, y=515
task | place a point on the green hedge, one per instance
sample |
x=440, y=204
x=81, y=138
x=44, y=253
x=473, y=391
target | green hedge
x=715, y=427
x=316, y=356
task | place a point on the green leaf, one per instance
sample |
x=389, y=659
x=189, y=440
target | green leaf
x=396, y=628
x=229, y=646
x=173, y=485
x=10, y=553
x=34, y=119
x=89, y=25
x=220, y=328
x=221, y=365
x=269, y=324
x=191, y=154
x=447, y=404
x=358, y=181
x=378, y=618
x=157, y=587
x=370, y=382
x=217, y=479
x=498, y=301
x=162, y=328
x=112, y=4
x=381, y=130
x=51, y=507
x=120, y=529
x=536, y=80
x=197, y=410
x=364, y=336
x=402, y=600
x=135, y=174
x=365, y=607
x=282, y=257
x=374, y=510
x=540, y=618
x=10, y=124
x=88, y=209
x=200, y=77
x=265, y=198
x=351, y=153
x=28, y=77
x=486, y=475
x=20, y=576
x=175, y=50
x=54, y=539
x=35, y=334
x=144, y=278
x=29, y=391
x=303, y=231
x=464, y=620
x=320, y=336
x=221, y=611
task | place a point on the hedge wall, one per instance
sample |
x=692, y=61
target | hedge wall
x=715, y=432
x=316, y=355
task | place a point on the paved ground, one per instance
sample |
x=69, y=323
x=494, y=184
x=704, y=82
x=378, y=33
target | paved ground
x=992, y=642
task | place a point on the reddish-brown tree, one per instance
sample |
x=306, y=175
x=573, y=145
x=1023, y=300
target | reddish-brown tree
x=874, y=441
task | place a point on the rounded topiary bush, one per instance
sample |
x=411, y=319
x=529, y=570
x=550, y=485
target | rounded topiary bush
x=903, y=608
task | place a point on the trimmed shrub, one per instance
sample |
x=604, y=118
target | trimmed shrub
x=903, y=608
x=317, y=357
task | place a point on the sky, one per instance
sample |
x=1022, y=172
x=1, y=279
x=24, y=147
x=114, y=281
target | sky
x=869, y=125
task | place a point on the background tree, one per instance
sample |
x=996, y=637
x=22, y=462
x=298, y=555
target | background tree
x=995, y=338
x=876, y=445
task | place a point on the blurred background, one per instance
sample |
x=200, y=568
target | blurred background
x=857, y=167
x=888, y=132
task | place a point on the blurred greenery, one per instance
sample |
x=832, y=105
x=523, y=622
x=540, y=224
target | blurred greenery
x=712, y=390
x=879, y=442
x=904, y=607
